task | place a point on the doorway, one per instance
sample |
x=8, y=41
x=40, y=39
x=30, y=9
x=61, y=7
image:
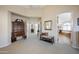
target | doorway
x=64, y=25
x=34, y=27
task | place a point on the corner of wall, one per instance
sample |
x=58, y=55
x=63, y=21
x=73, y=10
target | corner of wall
x=1, y=46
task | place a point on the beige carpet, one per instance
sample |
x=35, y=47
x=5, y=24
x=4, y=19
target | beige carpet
x=35, y=46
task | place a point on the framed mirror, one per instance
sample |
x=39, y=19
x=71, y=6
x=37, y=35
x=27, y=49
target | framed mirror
x=48, y=25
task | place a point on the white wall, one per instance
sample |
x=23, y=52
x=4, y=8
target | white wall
x=51, y=12
x=75, y=29
x=31, y=20
x=5, y=21
x=16, y=16
x=24, y=11
x=4, y=28
x=47, y=13
x=27, y=21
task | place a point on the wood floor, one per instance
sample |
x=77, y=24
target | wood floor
x=64, y=38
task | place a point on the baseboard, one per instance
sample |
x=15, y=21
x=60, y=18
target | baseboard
x=5, y=45
x=75, y=47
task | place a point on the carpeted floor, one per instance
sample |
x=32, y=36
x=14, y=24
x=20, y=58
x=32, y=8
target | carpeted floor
x=35, y=46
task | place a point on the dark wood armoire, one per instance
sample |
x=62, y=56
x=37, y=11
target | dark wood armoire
x=18, y=29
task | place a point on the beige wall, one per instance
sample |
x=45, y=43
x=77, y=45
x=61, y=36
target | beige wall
x=47, y=13
x=51, y=13
x=27, y=21
x=32, y=20
x=25, y=11
x=4, y=28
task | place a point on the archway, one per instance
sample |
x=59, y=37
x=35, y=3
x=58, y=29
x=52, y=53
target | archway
x=64, y=26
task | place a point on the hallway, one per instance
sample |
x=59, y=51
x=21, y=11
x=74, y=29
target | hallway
x=36, y=46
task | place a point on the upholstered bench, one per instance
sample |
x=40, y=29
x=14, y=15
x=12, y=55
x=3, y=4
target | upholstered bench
x=47, y=38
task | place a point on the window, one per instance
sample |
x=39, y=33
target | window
x=67, y=26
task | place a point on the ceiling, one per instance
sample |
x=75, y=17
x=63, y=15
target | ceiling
x=33, y=6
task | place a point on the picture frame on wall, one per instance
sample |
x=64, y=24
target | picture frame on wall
x=48, y=25
x=78, y=21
